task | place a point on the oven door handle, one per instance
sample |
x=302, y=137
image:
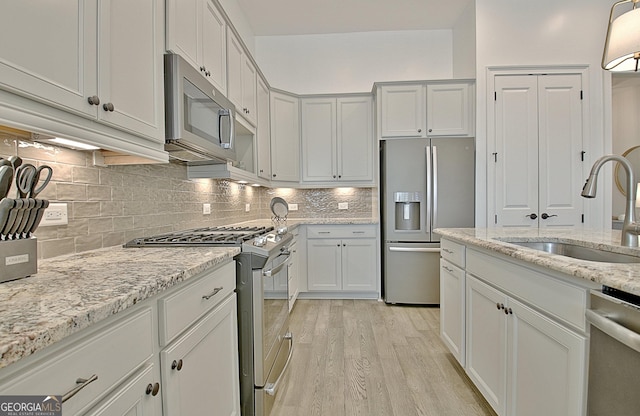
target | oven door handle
x=271, y=388
x=275, y=270
x=618, y=332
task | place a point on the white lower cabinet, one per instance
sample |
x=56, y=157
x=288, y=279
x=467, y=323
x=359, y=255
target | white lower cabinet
x=294, y=270
x=342, y=258
x=452, y=308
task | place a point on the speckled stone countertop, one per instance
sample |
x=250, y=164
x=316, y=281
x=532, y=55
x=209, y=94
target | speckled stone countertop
x=623, y=276
x=70, y=293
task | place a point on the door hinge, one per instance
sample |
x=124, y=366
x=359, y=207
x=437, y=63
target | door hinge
x=495, y=96
x=583, y=218
x=495, y=157
x=582, y=155
x=496, y=219
x=581, y=95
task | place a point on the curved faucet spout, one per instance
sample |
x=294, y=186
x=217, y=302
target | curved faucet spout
x=630, y=229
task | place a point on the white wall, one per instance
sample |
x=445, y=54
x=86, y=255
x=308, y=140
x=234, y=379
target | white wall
x=546, y=32
x=352, y=62
x=464, y=44
x=240, y=23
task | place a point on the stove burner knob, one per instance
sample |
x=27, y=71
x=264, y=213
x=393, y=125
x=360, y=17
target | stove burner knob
x=260, y=241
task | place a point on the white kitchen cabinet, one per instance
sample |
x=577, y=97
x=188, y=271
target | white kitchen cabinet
x=337, y=139
x=402, y=110
x=196, y=30
x=285, y=137
x=102, y=60
x=263, y=130
x=341, y=259
x=241, y=79
x=450, y=109
x=537, y=162
x=452, y=309
x=294, y=268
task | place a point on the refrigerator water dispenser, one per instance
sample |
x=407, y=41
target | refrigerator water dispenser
x=407, y=210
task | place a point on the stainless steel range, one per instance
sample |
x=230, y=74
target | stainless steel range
x=265, y=343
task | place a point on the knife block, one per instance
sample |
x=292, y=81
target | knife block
x=18, y=259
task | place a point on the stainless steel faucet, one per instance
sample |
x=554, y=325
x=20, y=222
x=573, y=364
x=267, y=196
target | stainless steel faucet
x=630, y=228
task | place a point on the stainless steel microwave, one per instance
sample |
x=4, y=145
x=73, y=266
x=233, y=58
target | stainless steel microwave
x=199, y=119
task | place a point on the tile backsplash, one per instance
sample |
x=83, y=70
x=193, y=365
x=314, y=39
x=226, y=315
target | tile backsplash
x=108, y=206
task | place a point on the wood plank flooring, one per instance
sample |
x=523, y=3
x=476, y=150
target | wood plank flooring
x=367, y=358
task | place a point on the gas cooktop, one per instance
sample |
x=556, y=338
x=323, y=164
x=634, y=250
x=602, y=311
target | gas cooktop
x=208, y=236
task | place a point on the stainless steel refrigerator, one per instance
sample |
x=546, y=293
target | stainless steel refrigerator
x=426, y=184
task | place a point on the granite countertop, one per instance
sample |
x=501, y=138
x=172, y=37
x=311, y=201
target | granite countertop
x=70, y=293
x=623, y=276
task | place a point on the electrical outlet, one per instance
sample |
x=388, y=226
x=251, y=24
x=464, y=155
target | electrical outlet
x=55, y=214
x=293, y=207
x=343, y=205
x=247, y=207
x=206, y=209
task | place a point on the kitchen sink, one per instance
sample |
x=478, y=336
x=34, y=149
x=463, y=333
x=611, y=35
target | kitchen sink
x=578, y=252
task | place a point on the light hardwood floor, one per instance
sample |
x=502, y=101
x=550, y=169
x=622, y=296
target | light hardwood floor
x=363, y=357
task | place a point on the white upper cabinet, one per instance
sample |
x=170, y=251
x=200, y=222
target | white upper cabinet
x=196, y=30
x=450, y=109
x=285, y=137
x=102, y=60
x=263, y=130
x=242, y=79
x=537, y=160
x=402, y=110
x=337, y=139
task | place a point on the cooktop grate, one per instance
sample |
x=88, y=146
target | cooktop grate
x=208, y=236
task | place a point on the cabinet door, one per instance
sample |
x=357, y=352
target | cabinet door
x=234, y=70
x=214, y=46
x=516, y=182
x=248, y=90
x=560, y=164
x=324, y=269
x=318, y=120
x=359, y=265
x=487, y=342
x=546, y=361
x=449, y=110
x=452, y=308
x=263, y=131
x=355, y=139
x=285, y=138
x=130, y=66
x=135, y=398
x=49, y=51
x=200, y=372
x=183, y=31
x=403, y=110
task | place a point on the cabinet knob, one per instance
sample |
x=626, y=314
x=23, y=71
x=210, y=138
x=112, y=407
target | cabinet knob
x=176, y=365
x=508, y=311
x=208, y=73
x=334, y=176
x=274, y=175
x=499, y=306
x=94, y=100
x=108, y=107
x=419, y=130
x=533, y=216
x=153, y=389
x=202, y=69
x=430, y=130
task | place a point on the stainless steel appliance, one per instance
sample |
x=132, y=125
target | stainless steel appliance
x=426, y=183
x=614, y=353
x=265, y=343
x=199, y=120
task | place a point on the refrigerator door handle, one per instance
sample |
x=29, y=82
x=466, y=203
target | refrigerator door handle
x=427, y=208
x=434, y=207
x=415, y=250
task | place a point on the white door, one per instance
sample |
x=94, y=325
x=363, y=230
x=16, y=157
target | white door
x=248, y=109
x=355, y=138
x=214, y=46
x=263, y=130
x=538, y=145
x=449, y=110
x=403, y=111
x=318, y=121
x=234, y=71
x=452, y=296
x=324, y=269
x=359, y=264
x=285, y=138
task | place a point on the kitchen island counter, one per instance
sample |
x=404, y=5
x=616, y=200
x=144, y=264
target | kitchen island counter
x=623, y=276
x=70, y=293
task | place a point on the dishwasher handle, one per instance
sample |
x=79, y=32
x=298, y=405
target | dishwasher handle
x=415, y=249
x=618, y=332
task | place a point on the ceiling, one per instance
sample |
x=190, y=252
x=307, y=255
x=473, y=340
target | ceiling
x=301, y=17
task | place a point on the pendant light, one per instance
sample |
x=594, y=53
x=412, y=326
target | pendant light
x=622, y=46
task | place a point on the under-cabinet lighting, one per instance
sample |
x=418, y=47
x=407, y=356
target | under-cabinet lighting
x=72, y=144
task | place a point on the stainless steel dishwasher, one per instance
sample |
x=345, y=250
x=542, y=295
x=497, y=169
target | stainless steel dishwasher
x=614, y=358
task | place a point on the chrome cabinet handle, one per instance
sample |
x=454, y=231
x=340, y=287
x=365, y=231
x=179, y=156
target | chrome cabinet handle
x=176, y=365
x=153, y=389
x=212, y=294
x=533, y=216
x=600, y=320
x=545, y=215
x=446, y=250
x=271, y=388
x=108, y=107
x=81, y=383
x=94, y=100
x=275, y=270
x=447, y=269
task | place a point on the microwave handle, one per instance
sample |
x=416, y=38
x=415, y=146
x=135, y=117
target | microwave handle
x=226, y=113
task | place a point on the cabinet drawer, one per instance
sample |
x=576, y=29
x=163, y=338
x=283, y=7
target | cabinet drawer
x=552, y=295
x=180, y=309
x=453, y=252
x=368, y=231
x=111, y=354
